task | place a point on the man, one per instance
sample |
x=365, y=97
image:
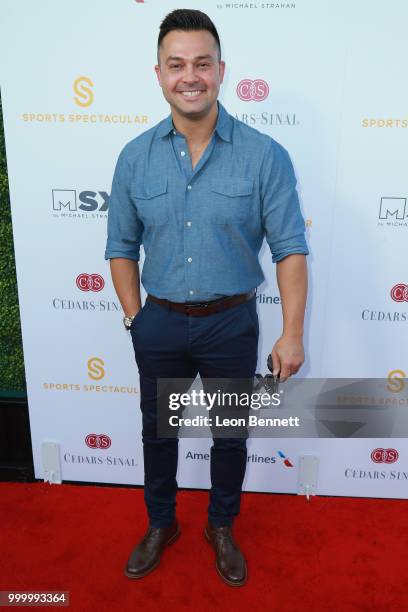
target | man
x=201, y=190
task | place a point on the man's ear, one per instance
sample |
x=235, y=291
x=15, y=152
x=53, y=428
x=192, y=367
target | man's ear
x=222, y=70
x=158, y=73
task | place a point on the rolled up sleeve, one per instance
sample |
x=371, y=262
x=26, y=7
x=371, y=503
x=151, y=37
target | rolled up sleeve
x=282, y=219
x=125, y=230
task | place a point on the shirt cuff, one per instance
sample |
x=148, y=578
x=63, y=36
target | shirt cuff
x=130, y=254
x=290, y=246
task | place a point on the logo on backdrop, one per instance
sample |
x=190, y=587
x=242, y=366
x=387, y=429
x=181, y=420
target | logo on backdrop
x=256, y=90
x=399, y=293
x=263, y=298
x=393, y=212
x=254, y=5
x=385, y=123
x=374, y=475
x=252, y=458
x=86, y=283
x=101, y=441
x=88, y=204
x=286, y=460
x=84, y=95
x=396, y=382
x=90, y=282
x=82, y=87
x=384, y=455
x=96, y=370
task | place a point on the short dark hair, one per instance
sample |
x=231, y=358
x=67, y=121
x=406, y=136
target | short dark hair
x=187, y=20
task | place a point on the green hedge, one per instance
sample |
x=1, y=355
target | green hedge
x=12, y=376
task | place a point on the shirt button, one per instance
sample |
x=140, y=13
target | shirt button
x=191, y=292
x=189, y=187
x=190, y=259
x=188, y=223
x=174, y=132
x=182, y=153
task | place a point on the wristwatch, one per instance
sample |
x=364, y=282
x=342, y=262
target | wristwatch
x=127, y=321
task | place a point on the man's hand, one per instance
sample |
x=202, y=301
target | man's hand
x=287, y=356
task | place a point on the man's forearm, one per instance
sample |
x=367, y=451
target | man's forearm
x=126, y=280
x=291, y=274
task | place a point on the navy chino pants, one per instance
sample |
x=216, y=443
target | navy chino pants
x=169, y=344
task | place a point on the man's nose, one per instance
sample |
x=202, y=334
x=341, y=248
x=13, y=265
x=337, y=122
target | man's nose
x=189, y=75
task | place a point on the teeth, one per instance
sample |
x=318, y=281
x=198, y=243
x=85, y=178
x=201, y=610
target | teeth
x=190, y=93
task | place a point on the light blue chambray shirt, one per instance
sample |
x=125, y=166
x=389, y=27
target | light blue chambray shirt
x=202, y=229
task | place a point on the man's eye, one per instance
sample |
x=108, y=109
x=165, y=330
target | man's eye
x=203, y=65
x=175, y=66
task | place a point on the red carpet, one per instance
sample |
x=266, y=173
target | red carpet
x=331, y=554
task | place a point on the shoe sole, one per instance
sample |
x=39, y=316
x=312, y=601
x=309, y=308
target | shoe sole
x=170, y=541
x=229, y=582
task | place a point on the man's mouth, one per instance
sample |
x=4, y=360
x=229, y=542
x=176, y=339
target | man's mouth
x=191, y=94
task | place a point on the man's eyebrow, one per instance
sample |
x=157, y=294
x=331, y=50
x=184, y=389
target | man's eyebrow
x=173, y=58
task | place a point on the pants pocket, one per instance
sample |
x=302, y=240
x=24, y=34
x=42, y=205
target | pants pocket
x=252, y=315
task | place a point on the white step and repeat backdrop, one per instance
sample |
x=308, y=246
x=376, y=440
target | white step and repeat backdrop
x=77, y=83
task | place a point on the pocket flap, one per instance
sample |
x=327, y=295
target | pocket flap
x=145, y=190
x=233, y=186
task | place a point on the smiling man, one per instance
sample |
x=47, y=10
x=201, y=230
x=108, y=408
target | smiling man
x=200, y=191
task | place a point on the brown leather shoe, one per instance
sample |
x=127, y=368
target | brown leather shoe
x=146, y=556
x=230, y=562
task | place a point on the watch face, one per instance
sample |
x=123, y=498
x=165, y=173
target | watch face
x=127, y=322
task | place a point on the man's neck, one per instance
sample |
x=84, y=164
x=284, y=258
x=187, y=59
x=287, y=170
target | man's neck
x=196, y=131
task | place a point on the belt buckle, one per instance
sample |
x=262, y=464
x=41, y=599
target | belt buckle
x=198, y=304
x=192, y=306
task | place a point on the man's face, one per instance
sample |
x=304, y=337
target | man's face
x=190, y=72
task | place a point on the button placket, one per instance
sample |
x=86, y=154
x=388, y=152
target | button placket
x=188, y=238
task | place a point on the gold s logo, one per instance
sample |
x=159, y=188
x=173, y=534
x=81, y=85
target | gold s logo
x=396, y=381
x=95, y=368
x=86, y=96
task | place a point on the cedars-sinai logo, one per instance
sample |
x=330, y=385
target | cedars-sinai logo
x=384, y=455
x=101, y=441
x=399, y=292
x=256, y=90
x=90, y=282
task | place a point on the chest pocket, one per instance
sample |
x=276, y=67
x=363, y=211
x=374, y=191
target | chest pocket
x=231, y=200
x=151, y=200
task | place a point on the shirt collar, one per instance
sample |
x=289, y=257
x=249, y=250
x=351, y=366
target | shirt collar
x=223, y=127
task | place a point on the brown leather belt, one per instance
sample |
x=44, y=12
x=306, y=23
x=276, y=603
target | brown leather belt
x=203, y=309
